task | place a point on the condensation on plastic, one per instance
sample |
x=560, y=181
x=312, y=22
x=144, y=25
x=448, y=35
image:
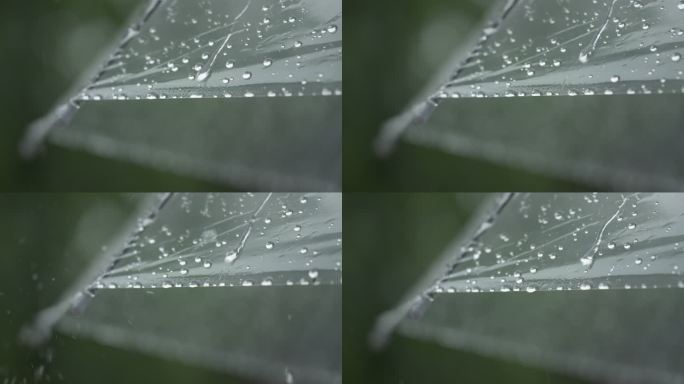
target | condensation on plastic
x=551, y=48
x=577, y=47
x=234, y=240
x=575, y=242
x=281, y=55
x=263, y=301
x=570, y=282
x=218, y=48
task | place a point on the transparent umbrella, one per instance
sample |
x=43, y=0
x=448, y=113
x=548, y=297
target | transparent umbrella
x=531, y=50
x=578, y=283
x=248, y=284
x=268, y=75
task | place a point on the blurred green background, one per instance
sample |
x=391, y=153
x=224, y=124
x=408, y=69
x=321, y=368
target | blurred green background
x=392, y=49
x=46, y=46
x=390, y=241
x=48, y=240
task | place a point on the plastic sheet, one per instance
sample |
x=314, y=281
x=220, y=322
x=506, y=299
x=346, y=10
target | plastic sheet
x=576, y=47
x=226, y=240
x=218, y=48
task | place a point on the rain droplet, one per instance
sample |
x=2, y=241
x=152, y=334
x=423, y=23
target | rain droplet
x=231, y=256
x=587, y=261
x=202, y=76
x=583, y=57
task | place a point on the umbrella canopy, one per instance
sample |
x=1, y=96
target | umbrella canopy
x=248, y=284
x=570, y=282
x=285, y=56
x=565, y=48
